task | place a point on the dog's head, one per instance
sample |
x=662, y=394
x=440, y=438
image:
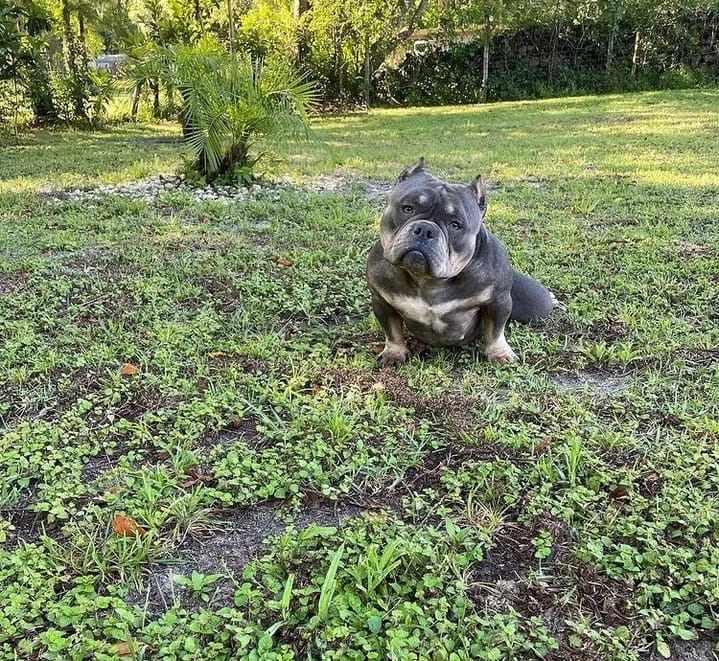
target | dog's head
x=430, y=228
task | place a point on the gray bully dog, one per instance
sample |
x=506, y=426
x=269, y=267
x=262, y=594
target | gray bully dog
x=438, y=271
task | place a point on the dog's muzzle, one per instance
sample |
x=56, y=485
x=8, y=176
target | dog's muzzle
x=421, y=245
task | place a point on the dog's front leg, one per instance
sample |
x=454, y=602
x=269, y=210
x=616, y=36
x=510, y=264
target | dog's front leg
x=494, y=319
x=395, y=350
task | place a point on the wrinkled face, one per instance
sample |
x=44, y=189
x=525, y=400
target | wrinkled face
x=430, y=228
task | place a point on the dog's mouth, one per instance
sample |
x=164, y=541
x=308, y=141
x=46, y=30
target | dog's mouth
x=415, y=261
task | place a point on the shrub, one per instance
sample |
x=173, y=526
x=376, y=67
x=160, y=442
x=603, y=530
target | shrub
x=231, y=103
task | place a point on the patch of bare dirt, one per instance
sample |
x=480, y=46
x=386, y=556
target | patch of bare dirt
x=609, y=330
x=12, y=283
x=242, y=428
x=600, y=381
x=704, y=357
x=456, y=411
x=27, y=526
x=451, y=457
x=702, y=650
x=95, y=468
x=509, y=559
x=697, y=250
x=511, y=577
x=237, y=538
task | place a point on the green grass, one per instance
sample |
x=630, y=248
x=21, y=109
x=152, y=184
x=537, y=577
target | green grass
x=562, y=507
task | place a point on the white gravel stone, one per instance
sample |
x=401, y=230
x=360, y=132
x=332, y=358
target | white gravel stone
x=153, y=187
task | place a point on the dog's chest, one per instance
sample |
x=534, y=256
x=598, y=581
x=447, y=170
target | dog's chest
x=441, y=317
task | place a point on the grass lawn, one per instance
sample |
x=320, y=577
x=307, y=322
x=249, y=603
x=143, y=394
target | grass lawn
x=201, y=460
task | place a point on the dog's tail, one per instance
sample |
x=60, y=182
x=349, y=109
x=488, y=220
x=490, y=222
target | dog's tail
x=530, y=300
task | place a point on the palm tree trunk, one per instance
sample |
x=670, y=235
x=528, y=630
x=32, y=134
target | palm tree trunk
x=83, y=38
x=231, y=21
x=303, y=49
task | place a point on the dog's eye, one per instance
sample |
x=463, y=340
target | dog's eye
x=407, y=208
x=455, y=225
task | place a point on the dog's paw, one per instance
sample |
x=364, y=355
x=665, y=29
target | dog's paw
x=393, y=355
x=557, y=304
x=501, y=353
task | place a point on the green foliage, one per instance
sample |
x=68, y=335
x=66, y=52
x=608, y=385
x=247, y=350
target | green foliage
x=23, y=38
x=379, y=51
x=83, y=97
x=450, y=73
x=267, y=29
x=231, y=103
x=200, y=584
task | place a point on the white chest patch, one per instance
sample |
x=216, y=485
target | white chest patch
x=439, y=316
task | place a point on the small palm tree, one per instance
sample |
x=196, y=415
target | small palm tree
x=230, y=102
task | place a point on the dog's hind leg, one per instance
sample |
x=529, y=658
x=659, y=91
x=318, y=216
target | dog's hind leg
x=530, y=300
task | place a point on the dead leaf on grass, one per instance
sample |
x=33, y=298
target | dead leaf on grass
x=281, y=261
x=124, y=526
x=620, y=493
x=122, y=649
x=542, y=446
x=318, y=390
x=128, y=369
x=195, y=478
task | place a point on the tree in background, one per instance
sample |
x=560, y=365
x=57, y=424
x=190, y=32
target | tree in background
x=24, y=29
x=349, y=41
x=474, y=50
x=231, y=104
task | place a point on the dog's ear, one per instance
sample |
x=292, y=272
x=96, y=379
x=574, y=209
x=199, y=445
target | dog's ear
x=479, y=192
x=412, y=169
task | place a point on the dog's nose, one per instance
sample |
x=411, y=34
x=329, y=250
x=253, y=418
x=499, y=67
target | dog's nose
x=423, y=232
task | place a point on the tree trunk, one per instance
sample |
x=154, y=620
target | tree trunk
x=610, y=52
x=171, y=110
x=83, y=39
x=237, y=157
x=484, y=89
x=301, y=7
x=198, y=15
x=41, y=99
x=68, y=39
x=231, y=21
x=136, y=100
x=635, y=53
x=401, y=27
x=155, y=86
x=367, y=72
x=338, y=62
x=612, y=38
x=578, y=47
x=553, y=58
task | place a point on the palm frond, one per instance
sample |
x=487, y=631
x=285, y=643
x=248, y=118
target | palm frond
x=228, y=103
